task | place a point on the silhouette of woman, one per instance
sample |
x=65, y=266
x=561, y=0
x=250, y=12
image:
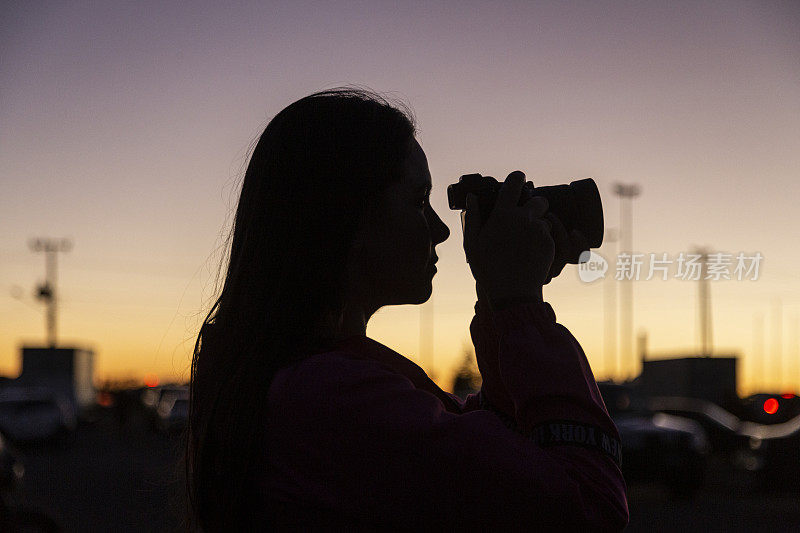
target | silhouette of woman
x=298, y=420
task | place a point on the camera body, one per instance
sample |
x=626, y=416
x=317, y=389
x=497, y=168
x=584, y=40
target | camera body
x=577, y=205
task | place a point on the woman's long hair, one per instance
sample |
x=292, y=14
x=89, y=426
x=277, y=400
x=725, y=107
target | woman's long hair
x=315, y=168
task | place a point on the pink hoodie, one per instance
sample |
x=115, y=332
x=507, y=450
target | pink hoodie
x=360, y=437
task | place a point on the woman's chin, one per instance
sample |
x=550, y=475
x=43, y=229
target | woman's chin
x=419, y=296
x=412, y=293
x=425, y=294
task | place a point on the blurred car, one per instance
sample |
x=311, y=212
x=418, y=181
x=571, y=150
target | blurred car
x=173, y=410
x=775, y=453
x=771, y=408
x=11, y=469
x=13, y=515
x=766, y=443
x=152, y=399
x=657, y=447
x=151, y=396
x=35, y=414
x=721, y=426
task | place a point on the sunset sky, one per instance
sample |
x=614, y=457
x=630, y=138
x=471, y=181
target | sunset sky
x=125, y=126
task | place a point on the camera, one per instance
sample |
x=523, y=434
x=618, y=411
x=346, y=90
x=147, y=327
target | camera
x=577, y=205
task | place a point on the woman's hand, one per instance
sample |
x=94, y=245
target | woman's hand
x=512, y=254
x=569, y=245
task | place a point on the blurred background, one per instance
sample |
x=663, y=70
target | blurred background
x=125, y=129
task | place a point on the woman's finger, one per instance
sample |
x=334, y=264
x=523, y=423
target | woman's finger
x=560, y=235
x=562, y=244
x=508, y=196
x=537, y=206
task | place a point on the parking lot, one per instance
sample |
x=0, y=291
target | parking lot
x=108, y=477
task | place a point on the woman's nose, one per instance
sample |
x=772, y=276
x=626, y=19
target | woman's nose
x=439, y=231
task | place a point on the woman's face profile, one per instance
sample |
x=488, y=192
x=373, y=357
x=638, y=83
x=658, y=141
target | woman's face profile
x=397, y=248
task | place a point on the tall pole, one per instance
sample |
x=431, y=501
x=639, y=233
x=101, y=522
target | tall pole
x=793, y=353
x=777, y=340
x=47, y=290
x=641, y=346
x=610, y=315
x=704, y=306
x=626, y=194
x=759, y=361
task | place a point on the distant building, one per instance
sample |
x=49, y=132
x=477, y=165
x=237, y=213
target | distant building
x=707, y=378
x=70, y=371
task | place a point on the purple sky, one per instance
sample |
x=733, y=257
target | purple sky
x=125, y=127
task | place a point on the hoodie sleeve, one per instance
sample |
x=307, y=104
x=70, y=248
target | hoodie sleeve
x=538, y=367
x=493, y=394
x=353, y=437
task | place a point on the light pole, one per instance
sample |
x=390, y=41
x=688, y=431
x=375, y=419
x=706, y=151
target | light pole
x=759, y=364
x=47, y=290
x=777, y=340
x=793, y=354
x=626, y=193
x=704, y=305
x=610, y=313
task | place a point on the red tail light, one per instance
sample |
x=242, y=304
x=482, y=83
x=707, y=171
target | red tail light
x=771, y=406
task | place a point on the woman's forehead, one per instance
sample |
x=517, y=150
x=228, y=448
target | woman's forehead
x=417, y=175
